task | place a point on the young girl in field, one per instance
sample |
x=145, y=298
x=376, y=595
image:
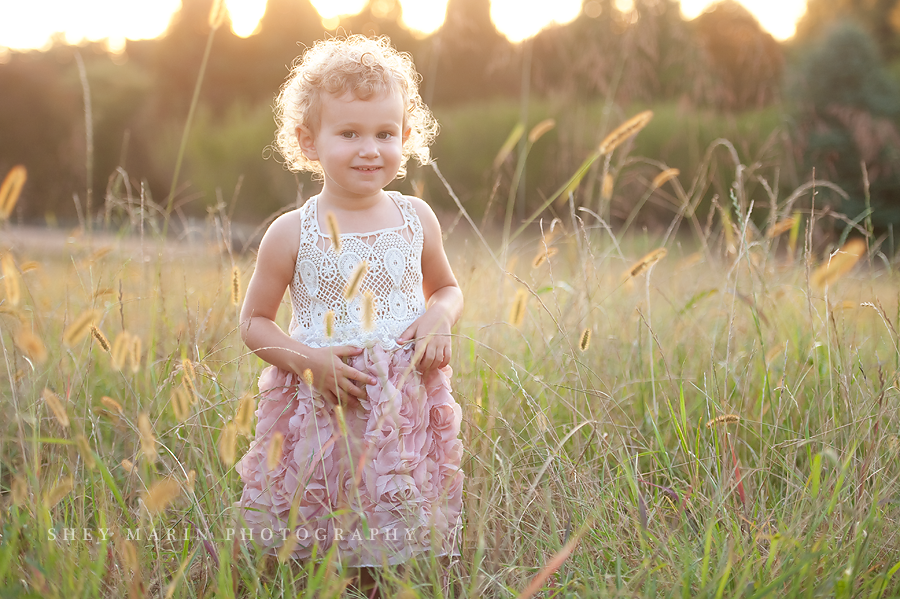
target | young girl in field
x=356, y=448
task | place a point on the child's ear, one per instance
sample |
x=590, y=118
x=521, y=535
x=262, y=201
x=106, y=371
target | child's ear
x=406, y=134
x=307, y=142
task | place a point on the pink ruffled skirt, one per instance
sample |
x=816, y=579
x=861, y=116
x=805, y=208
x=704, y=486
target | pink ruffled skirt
x=381, y=489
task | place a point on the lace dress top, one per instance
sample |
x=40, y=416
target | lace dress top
x=394, y=278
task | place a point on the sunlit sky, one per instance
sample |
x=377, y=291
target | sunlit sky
x=31, y=23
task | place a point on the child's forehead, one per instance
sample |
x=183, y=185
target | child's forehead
x=335, y=104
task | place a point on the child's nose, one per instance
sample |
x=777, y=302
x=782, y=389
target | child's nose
x=369, y=149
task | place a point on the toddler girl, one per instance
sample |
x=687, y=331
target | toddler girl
x=356, y=448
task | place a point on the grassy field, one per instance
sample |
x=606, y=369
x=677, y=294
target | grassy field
x=712, y=415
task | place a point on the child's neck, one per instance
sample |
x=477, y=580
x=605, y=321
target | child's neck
x=350, y=204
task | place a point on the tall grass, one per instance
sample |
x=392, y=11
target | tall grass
x=705, y=421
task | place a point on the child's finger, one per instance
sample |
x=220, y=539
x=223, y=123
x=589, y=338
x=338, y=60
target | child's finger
x=353, y=389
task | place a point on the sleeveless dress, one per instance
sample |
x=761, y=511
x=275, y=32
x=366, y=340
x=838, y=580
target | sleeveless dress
x=386, y=484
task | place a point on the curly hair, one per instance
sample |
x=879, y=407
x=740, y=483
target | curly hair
x=359, y=65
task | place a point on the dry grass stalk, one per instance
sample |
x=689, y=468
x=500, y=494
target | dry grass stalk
x=100, y=337
x=368, y=310
x=84, y=448
x=333, y=232
x=839, y=263
x=355, y=280
x=10, y=190
x=645, y=263
x=781, y=227
x=664, y=177
x=31, y=345
x=329, y=323
x=227, y=443
x=517, y=312
x=342, y=423
x=584, y=342
x=62, y=488
x=243, y=418
x=11, y=282
x=273, y=454
x=621, y=133
x=148, y=439
x=80, y=327
x=121, y=349
x=111, y=404
x=181, y=402
x=55, y=404
x=724, y=419
x=235, y=286
x=160, y=494
x=540, y=129
x=29, y=265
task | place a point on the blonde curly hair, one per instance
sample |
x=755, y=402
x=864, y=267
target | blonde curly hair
x=364, y=67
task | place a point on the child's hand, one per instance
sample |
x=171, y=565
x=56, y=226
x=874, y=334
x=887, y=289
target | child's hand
x=333, y=378
x=433, y=349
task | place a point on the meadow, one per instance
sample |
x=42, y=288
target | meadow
x=705, y=411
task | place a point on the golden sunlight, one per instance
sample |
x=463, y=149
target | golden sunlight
x=245, y=15
x=778, y=17
x=521, y=19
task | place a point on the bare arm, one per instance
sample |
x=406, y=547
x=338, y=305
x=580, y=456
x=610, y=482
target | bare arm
x=271, y=277
x=442, y=294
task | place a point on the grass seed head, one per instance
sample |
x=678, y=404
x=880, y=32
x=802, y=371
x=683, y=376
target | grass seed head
x=308, y=377
x=664, y=177
x=79, y=327
x=235, y=286
x=368, y=310
x=181, y=402
x=59, y=491
x=111, y=404
x=56, y=407
x=10, y=190
x=606, y=188
x=84, y=448
x=517, y=312
x=31, y=345
x=584, y=342
x=543, y=256
x=273, y=454
x=646, y=262
x=135, y=354
x=333, y=232
x=243, y=418
x=621, y=133
x=11, y=281
x=148, y=439
x=355, y=280
x=725, y=419
x=160, y=494
x=121, y=348
x=127, y=465
x=217, y=14
x=839, y=263
x=19, y=490
x=329, y=323
x=540, y=129
x=97, y=334
x=189, y=377
x=227, y=443
x=781, y=227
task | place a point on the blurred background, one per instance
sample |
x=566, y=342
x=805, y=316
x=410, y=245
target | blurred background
x=95, y=97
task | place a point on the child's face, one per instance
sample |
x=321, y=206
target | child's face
x=358, y=143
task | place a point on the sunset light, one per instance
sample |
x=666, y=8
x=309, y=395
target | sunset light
x=29, y=25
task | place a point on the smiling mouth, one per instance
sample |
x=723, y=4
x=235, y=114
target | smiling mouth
x=367, y=168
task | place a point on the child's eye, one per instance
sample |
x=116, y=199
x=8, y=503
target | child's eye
x=385, y=135
x=348, y=134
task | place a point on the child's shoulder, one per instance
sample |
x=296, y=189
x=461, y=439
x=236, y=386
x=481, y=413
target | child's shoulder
x=283, y=234
x=421, y=207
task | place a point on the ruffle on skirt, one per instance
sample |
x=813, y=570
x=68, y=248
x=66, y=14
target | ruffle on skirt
x=388, y=490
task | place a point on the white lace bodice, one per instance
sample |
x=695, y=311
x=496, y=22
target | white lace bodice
x=394, y=277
